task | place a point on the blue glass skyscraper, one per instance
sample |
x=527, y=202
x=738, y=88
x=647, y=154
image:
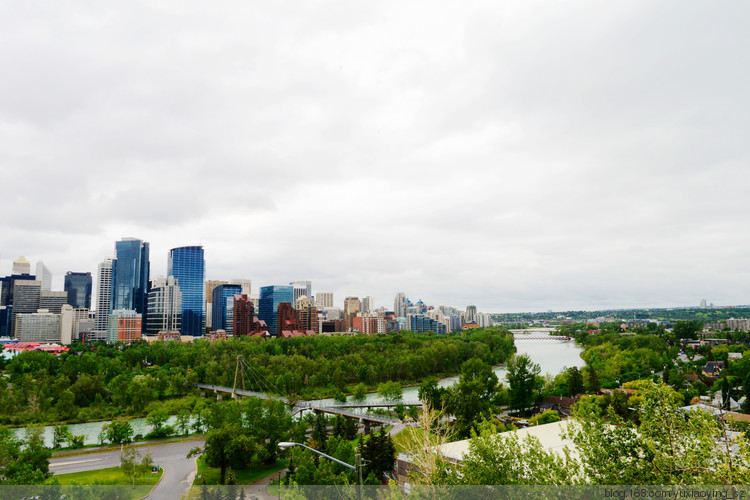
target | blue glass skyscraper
x=222, y=294
x=130, y=271
x=78, y=286
x=188, y=266
x=268, y=306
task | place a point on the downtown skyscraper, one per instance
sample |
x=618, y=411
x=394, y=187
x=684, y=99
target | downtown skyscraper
x=188, y=266
x=130, y=272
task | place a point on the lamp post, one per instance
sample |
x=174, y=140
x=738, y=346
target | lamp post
x=357, y=468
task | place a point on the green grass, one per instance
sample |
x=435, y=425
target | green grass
x=109, y=476
x=248, y=476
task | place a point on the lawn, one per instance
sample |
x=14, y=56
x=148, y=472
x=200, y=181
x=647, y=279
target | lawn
x=110, y=482
x=109, y=476
x=248, y=476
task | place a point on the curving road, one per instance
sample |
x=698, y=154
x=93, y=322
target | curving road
x=178, y=470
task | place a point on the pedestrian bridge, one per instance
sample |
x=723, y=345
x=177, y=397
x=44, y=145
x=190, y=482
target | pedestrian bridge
x=301, y=406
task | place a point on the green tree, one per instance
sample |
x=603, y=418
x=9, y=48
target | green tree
x=687, y=329
x=592, y=383
x=156, y=419
x=359, y=393
x=575, y=381
x=60, y=435
x=664, y=448
x=525, y=383
x=431, y=394
x=134, y=464
x=391, y=391
x=118, y=431
x=23, y=461
x=470, y=398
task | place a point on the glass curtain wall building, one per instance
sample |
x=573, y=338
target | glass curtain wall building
x=188, y=266
x=223, y=294
x=268, y=305
x=78, y=286
x=130, y=271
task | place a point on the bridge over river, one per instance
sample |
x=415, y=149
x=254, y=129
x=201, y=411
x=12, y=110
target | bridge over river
x=344, y=410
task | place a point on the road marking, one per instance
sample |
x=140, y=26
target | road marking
x=60, y=464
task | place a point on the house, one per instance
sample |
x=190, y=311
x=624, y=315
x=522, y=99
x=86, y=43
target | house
x=560, y=404
x=713, y=368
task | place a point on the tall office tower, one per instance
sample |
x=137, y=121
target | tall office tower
x=323, y=299
x=351, y=308
x=188, y=266
x=210, y=285
x=268, y=307
x=21, y=266
x=26, y=295
x=222, y=295
x=53, y=301
x=301, y=288
x=165, y=306
x=399, y=305
x=130, y=271
x=368, y=304
x=78, y=286
x=104, y=297
x=124, y=326
x=471, y=313
x=247, y=285
x=44, y=275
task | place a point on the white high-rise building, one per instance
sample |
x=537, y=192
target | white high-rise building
x=301, y=288
x=399, y=307
x=44, y=275
x=324, y=299
x=41, y=326
x=368, y=304
x=103, y=297
x=471, y=313
x=21, y=266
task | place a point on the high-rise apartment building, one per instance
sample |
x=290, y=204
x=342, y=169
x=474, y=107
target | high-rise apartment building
x=351, y=307
x=165, y=306
x=124, y=326
x=307, y=314
x=188, y=266
x=103, y=298
x=78, y=286
x=130, y=271
x=21, y=266
x=471, y=313
x=399, y=305
x=301, y=288
x=44, y=275
x=223, y=295
x=323, y=299
x=53, y=301
x=270, y=298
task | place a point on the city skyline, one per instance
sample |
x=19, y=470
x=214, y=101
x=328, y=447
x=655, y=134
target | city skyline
x=517, y=156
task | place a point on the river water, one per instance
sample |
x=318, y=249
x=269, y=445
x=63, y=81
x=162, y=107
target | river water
x=551, y=355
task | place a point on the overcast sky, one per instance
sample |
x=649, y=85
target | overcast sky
x=519, y=156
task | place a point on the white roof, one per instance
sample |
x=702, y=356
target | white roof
x=549, y=436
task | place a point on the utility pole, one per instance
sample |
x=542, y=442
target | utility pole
x=358, y=467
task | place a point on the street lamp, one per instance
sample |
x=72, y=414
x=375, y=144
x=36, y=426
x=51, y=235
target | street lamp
x=357, y=467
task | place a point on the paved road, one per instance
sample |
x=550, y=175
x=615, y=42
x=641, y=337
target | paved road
x=178, y=470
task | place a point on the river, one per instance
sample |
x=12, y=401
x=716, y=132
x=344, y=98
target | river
x=551, y=355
